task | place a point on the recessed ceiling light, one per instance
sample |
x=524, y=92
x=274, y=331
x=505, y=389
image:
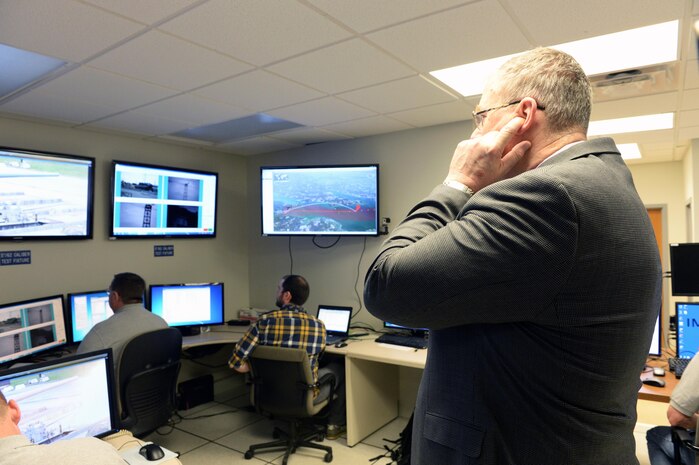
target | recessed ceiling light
x=21, y=68
x=631, y=124
x=630, y=49
x=629, y=151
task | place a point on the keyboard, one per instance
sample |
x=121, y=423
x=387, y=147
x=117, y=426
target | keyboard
x=678, y=365
x=417, y=342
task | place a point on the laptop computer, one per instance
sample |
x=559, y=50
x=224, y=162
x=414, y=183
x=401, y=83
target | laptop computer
x=337, y=322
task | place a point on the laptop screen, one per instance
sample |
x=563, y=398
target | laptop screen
x=336, y=319
x=687, y=328
x=65, y=398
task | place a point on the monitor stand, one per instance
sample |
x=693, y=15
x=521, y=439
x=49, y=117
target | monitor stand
x=189, y=330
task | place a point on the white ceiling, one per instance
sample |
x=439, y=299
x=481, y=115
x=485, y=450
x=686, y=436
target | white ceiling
x=341, y=68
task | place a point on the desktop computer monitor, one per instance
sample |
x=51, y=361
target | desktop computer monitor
x=30, y=327
x=64, y=398
x=85, y=310
x=188, y=305
x=687, y=329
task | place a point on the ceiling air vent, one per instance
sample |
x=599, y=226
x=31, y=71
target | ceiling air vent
x=635, y=82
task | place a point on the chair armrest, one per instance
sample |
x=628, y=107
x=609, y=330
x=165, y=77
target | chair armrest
x=684, y=438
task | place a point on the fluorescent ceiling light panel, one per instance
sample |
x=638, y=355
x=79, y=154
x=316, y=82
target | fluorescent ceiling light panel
x=239, y=128
x=20, y=68
x=623, y=50
x=631, y=124
x=629, y=151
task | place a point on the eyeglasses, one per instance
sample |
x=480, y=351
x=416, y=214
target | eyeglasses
x=479, y=116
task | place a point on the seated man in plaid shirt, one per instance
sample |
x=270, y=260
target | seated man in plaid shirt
x=291, y=326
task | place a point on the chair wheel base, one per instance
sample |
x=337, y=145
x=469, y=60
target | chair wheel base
x=328, y=457
x=249, y=454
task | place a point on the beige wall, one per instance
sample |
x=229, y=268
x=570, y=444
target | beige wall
x=59, y=267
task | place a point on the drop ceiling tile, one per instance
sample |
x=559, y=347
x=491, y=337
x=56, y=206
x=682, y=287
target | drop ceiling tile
x=40, y=105
x=368, y=126
x=403, y=94
x=455, y=37
x=335, y=69
x=147, y=12
x=257, y=31
x=688, y=119
x=258, y=91
x=688, y=133
x=367, y=15
x=168, y=61
x=258, y=145
x=192, y=109
x=438, y=114
x=64, y=29
x=579, y=20
x=691, y=76
x=102, y=88
x=308, y=136
x=655, y=103
x=321, y=112
x=690, y=100
x=139, y=124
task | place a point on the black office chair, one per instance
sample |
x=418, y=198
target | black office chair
x=682, y=438
x=282, y=388
x=147, y=375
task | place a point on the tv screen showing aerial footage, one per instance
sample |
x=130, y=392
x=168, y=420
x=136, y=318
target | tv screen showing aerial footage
x=45, y=195
x=157, y=201
x=320, y=200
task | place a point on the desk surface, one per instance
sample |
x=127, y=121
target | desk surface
x=368, y=349
x=228, y=336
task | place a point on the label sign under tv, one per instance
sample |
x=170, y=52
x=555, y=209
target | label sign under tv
x=151, y=201
x=320, y=200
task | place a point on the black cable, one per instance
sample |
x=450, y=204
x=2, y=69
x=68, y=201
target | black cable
x=291, y=259
x=326, y=246
x=356, y=281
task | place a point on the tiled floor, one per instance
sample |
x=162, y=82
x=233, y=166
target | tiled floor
x=219, y=433
x=224, y=437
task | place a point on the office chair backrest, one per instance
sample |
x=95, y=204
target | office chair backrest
x=147, y=375
x=283, y=382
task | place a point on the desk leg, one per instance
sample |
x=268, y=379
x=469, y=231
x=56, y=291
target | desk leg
x=372, y=397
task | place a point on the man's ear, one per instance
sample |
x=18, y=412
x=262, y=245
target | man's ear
x=15, y=413
x=526, y=109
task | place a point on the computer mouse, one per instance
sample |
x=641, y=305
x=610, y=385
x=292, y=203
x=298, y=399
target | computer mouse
x=654, y=382
x=152, y=452
x=340, y=345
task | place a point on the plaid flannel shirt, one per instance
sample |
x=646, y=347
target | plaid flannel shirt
x=289, y=326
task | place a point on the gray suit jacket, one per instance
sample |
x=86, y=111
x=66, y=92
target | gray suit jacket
x=541, y=294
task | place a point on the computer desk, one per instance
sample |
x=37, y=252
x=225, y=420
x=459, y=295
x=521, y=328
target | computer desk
x=372, y=373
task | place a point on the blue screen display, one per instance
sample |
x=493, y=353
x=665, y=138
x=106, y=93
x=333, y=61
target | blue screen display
x=188, y=304
x=687, y=329
x=86, y=310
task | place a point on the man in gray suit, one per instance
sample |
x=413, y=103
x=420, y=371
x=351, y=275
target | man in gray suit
x=535, y=267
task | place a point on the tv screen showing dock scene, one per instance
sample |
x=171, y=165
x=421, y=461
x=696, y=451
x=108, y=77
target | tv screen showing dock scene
x=62, y=399
x=85, y=310
x=320, y=200
x=30, y=327
x=45, y=195
x=188, y=304
x=154, y=201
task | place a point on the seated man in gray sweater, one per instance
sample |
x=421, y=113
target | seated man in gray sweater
x=130, y=317
x=682, y=411
x=15, y=448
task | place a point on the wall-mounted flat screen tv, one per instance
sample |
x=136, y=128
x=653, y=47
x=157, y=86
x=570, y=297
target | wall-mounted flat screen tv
x=45, y=195
x=320, y=200
x=151, y=201
x=684, y=269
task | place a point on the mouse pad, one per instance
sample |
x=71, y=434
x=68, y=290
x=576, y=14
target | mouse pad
x=132, y=457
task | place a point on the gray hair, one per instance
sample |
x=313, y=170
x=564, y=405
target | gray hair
x=555, y=80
